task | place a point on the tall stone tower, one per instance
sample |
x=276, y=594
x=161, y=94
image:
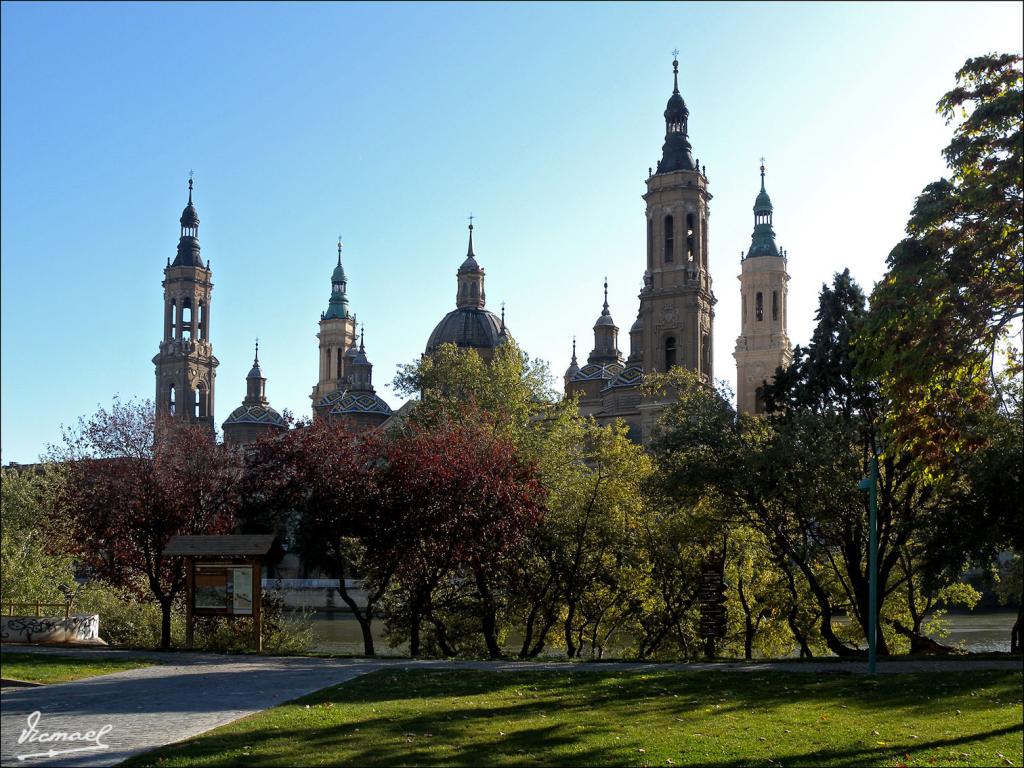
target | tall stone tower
x=185, y=365
x=674, y=324
x=337, y=337
x=763, y=345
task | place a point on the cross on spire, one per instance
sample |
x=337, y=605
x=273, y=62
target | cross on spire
x=340, y=246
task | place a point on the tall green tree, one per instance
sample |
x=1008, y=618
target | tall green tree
x=953, y=294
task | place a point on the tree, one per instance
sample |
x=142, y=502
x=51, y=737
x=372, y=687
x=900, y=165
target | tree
x=324, y=483
x=460, y=504
x=126, y=494
x=954, y=289
x=34, y=564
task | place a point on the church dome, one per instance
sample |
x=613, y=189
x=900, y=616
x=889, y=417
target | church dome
x=762, y=202
x=255, y=414
x=338, y=275
x=468, y=328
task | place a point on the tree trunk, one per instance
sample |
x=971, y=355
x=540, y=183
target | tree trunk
x=489, y=619
x=415, y=619
x=165, y=623
x=1015, y=632
x=748, y=625
x=570, y=646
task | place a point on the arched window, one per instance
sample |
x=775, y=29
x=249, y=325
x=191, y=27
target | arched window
x=670, y=353
x=759, y=306
x=691, y=237
x=650, y=244
x=743, y=299
x=327, y=363
x=669, y=240
x=759, y=400
x=174, y=319
x=186, y=319
x=202, y=402
x=339, y=357
x=775, y=305
x=171, y=403
x=202, y=321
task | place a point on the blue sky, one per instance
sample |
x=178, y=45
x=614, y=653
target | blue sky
x=389, y=124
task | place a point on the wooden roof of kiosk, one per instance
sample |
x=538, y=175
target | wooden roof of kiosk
x=231, y=545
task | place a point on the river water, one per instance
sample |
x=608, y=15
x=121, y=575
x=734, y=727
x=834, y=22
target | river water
x=976, y=632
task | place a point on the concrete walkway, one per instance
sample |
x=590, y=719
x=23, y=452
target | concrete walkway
x=189, y=693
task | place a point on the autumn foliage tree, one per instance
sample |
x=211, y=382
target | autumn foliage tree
x=127, y=493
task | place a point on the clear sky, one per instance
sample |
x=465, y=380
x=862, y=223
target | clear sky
x=389, y=124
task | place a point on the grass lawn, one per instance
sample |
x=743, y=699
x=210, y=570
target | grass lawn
x=44, y=668
x=395, y=717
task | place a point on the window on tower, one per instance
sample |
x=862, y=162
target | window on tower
x=743, y=300
x=670, y=353
x=174, y=318
x=704, y=238
x=339, y=358
x=650, y=244
x=669, y=240
x=202, y=321
x=759, y=306
x=775, y=305
x=186, y=319
x=171, y=404
x=690, y=237
x=759, y=400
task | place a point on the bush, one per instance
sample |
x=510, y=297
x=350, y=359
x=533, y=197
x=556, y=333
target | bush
x=125, y=619
x=282, y=633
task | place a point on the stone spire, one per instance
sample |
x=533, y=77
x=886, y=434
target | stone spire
x=255, y=382
x=470, y=279
x=675, y=153
x=606, y=336
x=574, y=367
x=188, y=243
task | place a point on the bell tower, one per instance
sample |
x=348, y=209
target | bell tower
x=763, y=344
x=674, y=324
x=337, y=337
x=185, y=366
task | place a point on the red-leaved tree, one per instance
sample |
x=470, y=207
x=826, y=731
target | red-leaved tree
x=127, y=494
x=459, y=504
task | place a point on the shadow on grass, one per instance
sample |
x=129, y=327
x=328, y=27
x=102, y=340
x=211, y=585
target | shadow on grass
x=401, y=717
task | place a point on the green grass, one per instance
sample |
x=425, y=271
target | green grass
x=395, y=717
x=46, y=668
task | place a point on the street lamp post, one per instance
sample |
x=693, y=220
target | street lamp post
x=870, y=484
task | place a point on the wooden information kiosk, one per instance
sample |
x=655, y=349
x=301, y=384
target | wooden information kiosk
x=224, y=577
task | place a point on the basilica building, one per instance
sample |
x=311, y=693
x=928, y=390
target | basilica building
x=673, y=327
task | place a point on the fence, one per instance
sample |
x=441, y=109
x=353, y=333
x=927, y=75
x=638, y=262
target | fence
x=38, y=606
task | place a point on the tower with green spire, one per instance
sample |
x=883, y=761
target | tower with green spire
x=337, y=336
x=763, y=344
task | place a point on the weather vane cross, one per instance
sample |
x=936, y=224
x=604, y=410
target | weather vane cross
x=191, y=173
x=762, y=159
x=471, y=217
x=675, y=53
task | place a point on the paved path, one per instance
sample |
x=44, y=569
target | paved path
x=190, y=693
